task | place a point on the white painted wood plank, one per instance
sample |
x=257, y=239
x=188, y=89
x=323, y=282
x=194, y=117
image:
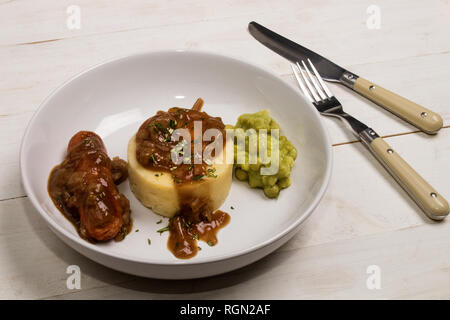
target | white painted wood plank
x=328, y=26
x=364, y=199
x=414, y=264
x=46, y=20
x=61, y=59
x=365, y=218
x=34, y=261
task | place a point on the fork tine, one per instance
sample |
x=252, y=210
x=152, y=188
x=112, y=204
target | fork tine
x=314, y=82
x=322, y=83
x=300, y=82
x=308, y=83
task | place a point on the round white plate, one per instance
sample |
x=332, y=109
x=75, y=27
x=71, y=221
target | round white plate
x=114, y=98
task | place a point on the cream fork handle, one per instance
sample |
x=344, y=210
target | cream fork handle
x=431, y=202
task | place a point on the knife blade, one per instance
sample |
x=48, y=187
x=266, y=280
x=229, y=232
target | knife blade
x=419, y=116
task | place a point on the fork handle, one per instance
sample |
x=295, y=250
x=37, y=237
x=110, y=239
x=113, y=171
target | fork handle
x=423, y=118
x=431, y=202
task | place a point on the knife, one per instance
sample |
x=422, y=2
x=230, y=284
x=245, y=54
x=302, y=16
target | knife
x=423, y=118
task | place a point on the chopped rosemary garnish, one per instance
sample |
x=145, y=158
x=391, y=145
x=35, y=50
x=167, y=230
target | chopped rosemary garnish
x=232, y=208
x=137, y=230
x=149, y=241
x=156, y=174
x=172, y=123
x=211, y=173
x=195, y=236
x=158, y=222
x=210, y=243
x=190, y=167
x=152, y=157
x=197, y=177
x=160, y=231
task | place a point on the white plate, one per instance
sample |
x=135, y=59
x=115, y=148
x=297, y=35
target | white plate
x=114, y=98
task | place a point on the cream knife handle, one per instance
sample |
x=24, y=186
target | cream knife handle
x=423, y=118
x=431, y=202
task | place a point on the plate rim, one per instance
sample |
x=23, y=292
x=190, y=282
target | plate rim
x=97, y=249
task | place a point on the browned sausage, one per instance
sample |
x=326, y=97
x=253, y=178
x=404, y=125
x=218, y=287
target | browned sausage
x=84, y=183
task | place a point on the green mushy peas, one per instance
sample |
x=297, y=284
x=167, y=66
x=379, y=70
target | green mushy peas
x=272, y=184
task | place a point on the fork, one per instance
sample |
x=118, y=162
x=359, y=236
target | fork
x=314, y=89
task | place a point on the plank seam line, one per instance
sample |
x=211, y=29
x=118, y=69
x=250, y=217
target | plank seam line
x=12, y=198
x=385, y=136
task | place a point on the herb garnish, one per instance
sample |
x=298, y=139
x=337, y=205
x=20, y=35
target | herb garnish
x=160, y=231
x=172, y=123
x=210, y=243
x=159, y=221
x=197, y=177
x=149, y=241
x=211, y=173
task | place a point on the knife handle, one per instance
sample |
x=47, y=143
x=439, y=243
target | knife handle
x=423, y=118
x=430, y=201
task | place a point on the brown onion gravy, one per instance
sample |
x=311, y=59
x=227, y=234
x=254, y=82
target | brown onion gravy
x=184, y=234
x=195, y=221
x=154, y=145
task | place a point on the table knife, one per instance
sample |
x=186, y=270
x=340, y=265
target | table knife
x=423, y=118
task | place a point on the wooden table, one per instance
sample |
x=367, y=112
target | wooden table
x=365, y=218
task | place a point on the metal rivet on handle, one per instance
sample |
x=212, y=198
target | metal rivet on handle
x=434, y=195
x=423, y=114
x=390, y=151
x=371, y=88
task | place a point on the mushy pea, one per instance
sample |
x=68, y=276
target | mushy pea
x=272, y=184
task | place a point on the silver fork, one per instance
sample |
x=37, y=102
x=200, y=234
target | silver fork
x=314, y=89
